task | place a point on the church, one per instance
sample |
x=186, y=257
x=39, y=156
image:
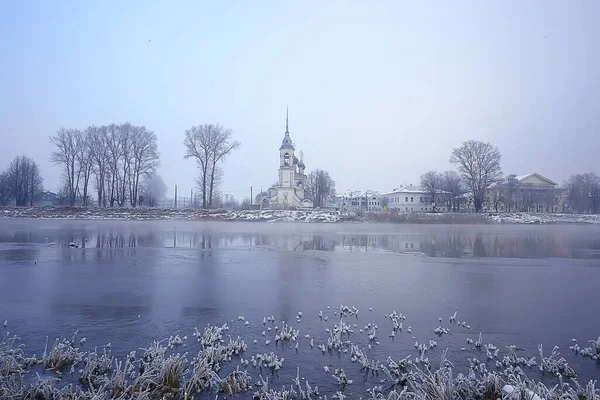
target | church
x=290, y=189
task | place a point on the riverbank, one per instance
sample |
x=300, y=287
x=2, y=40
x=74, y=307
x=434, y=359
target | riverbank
x=243, y=366
x=305, y=216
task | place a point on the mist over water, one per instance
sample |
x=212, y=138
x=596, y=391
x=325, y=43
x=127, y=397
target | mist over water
x=478, y=241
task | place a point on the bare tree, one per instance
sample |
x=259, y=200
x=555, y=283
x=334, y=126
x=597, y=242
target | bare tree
x=209, y=145
x=5, y=189
x=151, y=190
x=66, y=144
x=114, y=151
x=320, y=187
x=84, y=161
x=593, y=182
x=212, y=194
x=24, y=180
x=246, y=204
x=452, y=184
x=145, y=159
x=432, y=182
x=99, y=157
x=222, y=146
x=198, y=146
x=583, y=193
x=510, y=192
x=125, y=132
x=479, y=164
x=497, y=195
x=34, y=182
x=232, y=204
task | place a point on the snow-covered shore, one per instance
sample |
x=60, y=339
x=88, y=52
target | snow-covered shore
x=157, y=214
x=528, y=218
x=188, y=214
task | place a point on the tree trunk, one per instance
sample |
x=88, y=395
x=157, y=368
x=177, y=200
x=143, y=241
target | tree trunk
x=212, y=182
x=203, y=187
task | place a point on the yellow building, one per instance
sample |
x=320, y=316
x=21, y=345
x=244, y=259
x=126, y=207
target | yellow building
x=525, y=193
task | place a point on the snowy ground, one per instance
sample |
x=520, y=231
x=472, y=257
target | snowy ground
x=527, y=218
x=287, y=216
x=169, y=214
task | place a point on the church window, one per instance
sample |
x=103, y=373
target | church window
x=286, y=159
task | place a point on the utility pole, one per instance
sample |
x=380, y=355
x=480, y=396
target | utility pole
x=261, y=200
x=176, y=197
x=251, y=199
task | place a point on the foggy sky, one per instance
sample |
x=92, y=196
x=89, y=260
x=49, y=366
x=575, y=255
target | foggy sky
x=379, y=92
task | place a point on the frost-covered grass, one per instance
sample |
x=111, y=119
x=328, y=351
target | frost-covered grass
x=221, y=366
x=185, y=214
x=192, y=214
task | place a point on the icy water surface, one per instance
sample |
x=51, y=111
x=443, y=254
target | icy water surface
x=130, y=283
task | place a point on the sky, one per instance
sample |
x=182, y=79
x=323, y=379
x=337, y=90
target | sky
x=379, y=92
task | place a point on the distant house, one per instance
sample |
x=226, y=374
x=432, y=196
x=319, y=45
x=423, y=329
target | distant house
x=538, y=194
x=369, y=200
x=412, y=199
x=46, y=199
x=527, y=193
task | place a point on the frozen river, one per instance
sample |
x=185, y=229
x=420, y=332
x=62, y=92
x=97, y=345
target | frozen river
x=130, y=283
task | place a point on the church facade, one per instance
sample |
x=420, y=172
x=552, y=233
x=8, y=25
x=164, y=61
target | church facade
x=290, y=189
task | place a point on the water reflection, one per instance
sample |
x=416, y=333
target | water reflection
x=453, y=243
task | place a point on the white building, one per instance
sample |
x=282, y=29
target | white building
x=289, y=192
x=411, y=199
x=369, y=200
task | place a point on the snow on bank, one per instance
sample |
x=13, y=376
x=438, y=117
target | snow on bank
x=528, y=218
x=168, y=214
x=188, y=214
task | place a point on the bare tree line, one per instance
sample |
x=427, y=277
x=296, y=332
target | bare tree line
x=583, y=193
x=478, y=165
x=320, y=187
x=115, y=157
x=480, y=178
x=445, y=188
x=21, y=182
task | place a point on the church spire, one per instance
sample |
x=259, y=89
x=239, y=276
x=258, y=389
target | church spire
x=286, y=120
x=287, y=141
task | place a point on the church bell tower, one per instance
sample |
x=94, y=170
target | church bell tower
x=287, y=164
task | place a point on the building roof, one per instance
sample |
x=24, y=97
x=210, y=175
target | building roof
x=521, y=177
x=408, y=189
x=286, y=143
x=357, y=194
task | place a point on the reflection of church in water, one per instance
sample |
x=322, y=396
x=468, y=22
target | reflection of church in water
x=289, y=191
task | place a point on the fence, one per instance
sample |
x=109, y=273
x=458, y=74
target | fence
x=182, y=202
